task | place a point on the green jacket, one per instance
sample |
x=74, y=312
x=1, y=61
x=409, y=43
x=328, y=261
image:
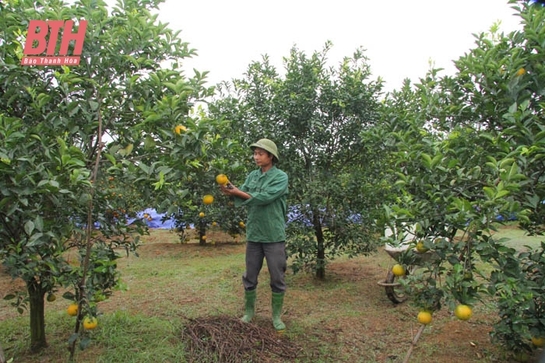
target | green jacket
x=267, y=207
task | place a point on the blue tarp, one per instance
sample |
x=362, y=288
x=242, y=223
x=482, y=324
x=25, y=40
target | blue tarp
x=154, y=219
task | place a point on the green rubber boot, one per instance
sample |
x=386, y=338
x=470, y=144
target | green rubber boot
x=277, y=303
x=249, y=305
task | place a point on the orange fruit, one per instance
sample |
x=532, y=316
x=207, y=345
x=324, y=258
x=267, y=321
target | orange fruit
x=420, y=248
x=203, y=238
x=424, y=317
x=72, y=309
x=208, y=199
x=241, y=224
x=179, y=129
x=51, y=297
x=521, y=72
x=222, y=179
x=201, y=214
x=538, y=341
x=90, y=322
x=463, y=312
x=398, y=270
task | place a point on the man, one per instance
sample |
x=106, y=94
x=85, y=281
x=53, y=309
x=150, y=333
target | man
x=264, y=194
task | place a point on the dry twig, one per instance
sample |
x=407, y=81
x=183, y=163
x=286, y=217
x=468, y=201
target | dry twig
x=228, y=340
x=413, y=343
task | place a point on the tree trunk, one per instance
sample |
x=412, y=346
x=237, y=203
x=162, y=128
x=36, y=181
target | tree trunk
x=2, y=356
x=202, y=233
x=320, y=250
x=37, y=316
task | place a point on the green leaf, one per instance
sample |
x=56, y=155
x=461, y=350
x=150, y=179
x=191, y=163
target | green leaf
x=69, y=296
x=73, y=338
x=110, y=158
x=489, y=192
x=84, y=342
x=149, y=142
x=436, y=159
x=39, y=223
x=426, y=159
x=504, y=163
x=513, y=171
x=127, y=150
x=145, y=168
x=35, y=240
x=158, y=185
x=164, y=169
x=93, y=105
x=29, y=228
x=533, y=201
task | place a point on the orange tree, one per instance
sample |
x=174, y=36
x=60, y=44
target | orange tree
x=315, y=114
x=67, y=134
x=194, y=213
x=469, y=153
x=224, y=155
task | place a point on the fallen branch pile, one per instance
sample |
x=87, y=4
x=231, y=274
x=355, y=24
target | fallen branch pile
x=228, y=340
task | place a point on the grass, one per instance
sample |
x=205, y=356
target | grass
x=517, y=239
x=346, y=318
x=122, y=337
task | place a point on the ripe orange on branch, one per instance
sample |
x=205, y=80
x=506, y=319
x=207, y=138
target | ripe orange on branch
x=222, y=179
x=463, y=312
x=179, y=129
x=538, y=341
x=72, y=309
x=420, y=248
x=90, y=322
x=424, y=317
x=208, y=199
x=398, y=270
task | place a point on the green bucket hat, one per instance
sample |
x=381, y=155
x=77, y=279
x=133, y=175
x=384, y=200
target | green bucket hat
x=268, y=145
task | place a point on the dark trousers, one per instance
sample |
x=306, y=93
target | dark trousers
x=275, y=254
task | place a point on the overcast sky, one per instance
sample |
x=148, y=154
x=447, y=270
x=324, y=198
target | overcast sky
x=400, y=36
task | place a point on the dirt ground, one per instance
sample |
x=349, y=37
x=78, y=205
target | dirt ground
x=375, y=325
